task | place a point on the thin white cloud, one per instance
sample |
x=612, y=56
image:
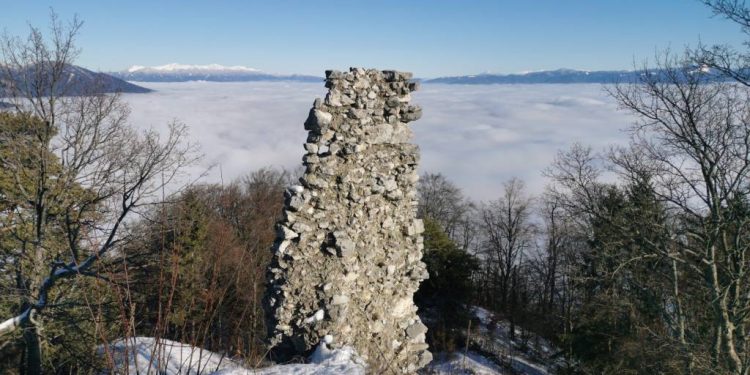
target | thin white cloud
x=478, y=136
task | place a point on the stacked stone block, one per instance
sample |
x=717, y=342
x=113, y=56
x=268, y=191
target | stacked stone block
x=347, y=259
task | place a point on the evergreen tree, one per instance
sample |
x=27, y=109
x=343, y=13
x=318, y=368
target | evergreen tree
x=444, y=297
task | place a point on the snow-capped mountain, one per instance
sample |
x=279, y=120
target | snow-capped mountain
x=174, y=67
x=212, y=72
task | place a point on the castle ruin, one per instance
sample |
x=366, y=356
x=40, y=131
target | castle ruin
x=347, y=259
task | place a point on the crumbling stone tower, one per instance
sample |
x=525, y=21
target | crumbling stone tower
x=347, y=259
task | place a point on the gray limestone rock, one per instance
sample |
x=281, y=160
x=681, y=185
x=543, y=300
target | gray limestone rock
x=412, y=113
x=344, y=244
x=416, y=329
x=347, y=259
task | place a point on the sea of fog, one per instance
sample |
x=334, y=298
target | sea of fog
x=477, y=135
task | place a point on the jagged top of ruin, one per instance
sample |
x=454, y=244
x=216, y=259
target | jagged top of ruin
x=361, y=94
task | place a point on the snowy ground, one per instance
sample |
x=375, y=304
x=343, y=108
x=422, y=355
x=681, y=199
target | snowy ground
x=527, y=354
x=460, y=364
x=523, y=353
x=144, y=356
x=493, y=353
x=322, y=362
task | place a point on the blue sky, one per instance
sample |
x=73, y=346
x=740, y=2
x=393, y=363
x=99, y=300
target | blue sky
x=428, y=37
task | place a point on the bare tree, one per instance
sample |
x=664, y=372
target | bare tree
x=91, y=172
x=556, y=266
x=693, y=140
x=508, y=233
x=555, y=234
x=576, y=173
x=727, y=60
x=441, y=200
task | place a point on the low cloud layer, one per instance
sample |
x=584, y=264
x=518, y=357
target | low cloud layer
x=478, y=136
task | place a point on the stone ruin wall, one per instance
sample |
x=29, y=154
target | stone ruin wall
x=347, y=259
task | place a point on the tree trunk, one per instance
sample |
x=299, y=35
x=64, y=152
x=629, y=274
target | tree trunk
x=725, y=326
x=32, y=364
x=681, y=320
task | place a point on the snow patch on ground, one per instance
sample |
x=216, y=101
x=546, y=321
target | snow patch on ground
x=323, y=361
x=146, y=355
x=458, y=363
x=485, y=316
x=495, y=352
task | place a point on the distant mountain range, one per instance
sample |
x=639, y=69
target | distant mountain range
x=79, y=80
x=76, y=81
x=548, y=76
x=212, y=72
x=220, y=73
x=563, y=76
